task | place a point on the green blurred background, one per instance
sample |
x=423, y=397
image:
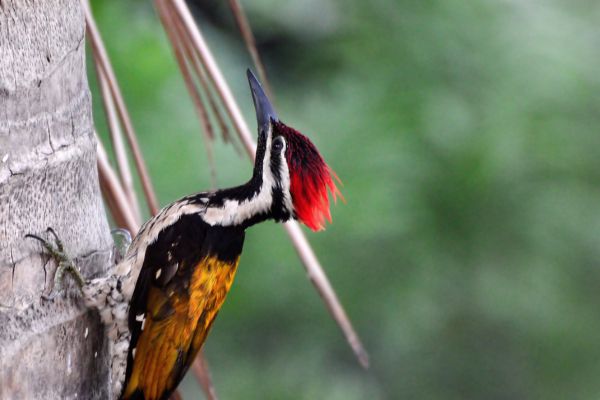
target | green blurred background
x=466, y=135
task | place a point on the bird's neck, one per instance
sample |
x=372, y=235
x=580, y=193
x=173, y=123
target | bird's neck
x=243, y=205
x=265, y=196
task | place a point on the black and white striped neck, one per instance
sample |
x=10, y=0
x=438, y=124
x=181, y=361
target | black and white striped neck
x=265, y=196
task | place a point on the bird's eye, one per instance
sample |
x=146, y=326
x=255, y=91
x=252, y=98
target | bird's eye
x=278, y=144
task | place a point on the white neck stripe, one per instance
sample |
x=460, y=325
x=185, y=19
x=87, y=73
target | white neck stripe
x=234, y=212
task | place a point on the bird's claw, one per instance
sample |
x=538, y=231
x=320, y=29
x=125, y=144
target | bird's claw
x=64, y=263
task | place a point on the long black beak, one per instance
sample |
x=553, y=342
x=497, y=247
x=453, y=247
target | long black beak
x=264, y=109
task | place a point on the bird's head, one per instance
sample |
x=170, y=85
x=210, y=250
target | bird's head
x=290, y=164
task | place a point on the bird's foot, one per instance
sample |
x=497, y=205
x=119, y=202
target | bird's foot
x=64, y=263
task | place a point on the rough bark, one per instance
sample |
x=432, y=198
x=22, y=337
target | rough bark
x=48, y=177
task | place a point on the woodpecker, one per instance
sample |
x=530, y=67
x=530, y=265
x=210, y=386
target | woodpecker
x=159, y=302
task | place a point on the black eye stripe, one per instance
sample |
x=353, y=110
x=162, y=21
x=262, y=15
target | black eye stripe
x=275, y=166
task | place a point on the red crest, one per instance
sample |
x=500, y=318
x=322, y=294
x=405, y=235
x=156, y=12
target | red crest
x=310, y=177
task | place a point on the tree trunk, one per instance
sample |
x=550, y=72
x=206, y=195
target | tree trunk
x=48, y=349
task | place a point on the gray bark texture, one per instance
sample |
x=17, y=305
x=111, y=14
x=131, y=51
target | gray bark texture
x=48, y=178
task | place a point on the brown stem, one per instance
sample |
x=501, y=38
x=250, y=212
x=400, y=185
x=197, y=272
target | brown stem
x=102, y=56
x=202, y=372
x=191, y=56
x=167, y=21
x=215, y=75
x=248, y=36
x=117, y=141
x=113, y=192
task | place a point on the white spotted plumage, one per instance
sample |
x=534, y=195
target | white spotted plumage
x=111, y=295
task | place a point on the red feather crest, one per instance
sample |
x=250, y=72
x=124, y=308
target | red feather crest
x=310, y=177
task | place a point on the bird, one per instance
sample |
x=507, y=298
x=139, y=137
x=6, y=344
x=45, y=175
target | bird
x=160, y=301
